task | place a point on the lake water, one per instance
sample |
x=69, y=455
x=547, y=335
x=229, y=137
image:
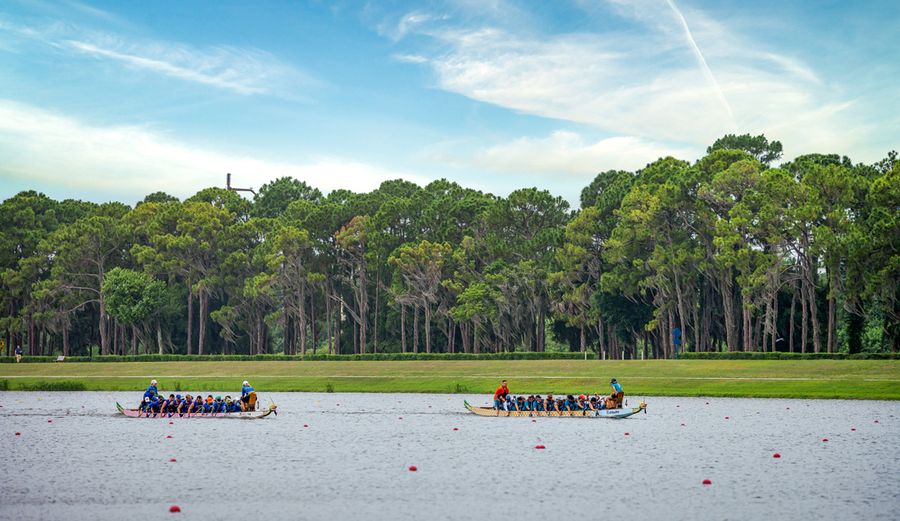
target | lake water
x=346, y=457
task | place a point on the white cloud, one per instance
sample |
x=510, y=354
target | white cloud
x=124, y=161
x=243, y=71
x=647, y=82
x=569, y=153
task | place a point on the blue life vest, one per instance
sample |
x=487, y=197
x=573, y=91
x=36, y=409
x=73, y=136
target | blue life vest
x=151, y=392
x=245, y=390
x=617, y=387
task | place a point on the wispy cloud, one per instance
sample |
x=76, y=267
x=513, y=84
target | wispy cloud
x=245, y=71
x=642, y=79
x=125, y=161
x=567, y=152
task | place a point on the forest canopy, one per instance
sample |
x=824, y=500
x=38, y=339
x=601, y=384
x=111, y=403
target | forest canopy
x=728, y=253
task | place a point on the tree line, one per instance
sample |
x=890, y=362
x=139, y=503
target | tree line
x=727, y=253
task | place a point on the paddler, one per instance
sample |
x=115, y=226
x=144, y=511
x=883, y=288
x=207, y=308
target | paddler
x=151, y=391
x=245, y=395
x=617, y=395
x=500, y=395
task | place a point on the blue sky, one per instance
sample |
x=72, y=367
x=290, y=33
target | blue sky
x=114, y=100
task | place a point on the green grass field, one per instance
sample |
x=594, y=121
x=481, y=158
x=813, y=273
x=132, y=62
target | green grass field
x=857, y=379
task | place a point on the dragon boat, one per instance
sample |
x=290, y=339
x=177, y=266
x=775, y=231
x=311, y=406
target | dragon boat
x=248, y=415
x=602, y=413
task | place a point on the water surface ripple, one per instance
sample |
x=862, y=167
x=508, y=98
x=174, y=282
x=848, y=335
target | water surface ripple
x=351, y=462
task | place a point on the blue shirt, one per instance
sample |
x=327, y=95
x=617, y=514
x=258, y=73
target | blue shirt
x=150, y=392
x=245, y=390
x=617, y=387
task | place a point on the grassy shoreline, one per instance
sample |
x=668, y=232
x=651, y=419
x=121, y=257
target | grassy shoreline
x=851, y=379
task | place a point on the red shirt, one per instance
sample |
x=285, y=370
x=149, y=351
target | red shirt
x=501, y=391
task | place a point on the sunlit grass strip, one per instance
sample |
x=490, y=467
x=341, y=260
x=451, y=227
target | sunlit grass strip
x=856, y=379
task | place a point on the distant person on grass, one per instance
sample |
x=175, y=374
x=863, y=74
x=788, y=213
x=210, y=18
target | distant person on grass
x=18, y=353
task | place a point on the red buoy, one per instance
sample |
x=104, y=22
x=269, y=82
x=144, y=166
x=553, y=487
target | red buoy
x=18, y=434
x=727, y=418
x=776, y=455
x=876, y=421
x=305, y=425
x=174, y=509
x=627, y=434
x=533, y=421
x=400, y=418
x=171, y=423
x=539, y=447
x=168, y=436
x=413, y=468
x=707, y=482
x=682, y=425
x=853, y=429
x=49, y=421
x=172, y=460
x=456, y=428
x=824, y=439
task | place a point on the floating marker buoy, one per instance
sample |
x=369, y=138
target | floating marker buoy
x=305, y=426
x=707, y=403
x=788, y=408
x=413, y=468
x=853, y=429
x=174, y=509
x=456, y=428
x=172, y=460
x=627, y=434
x=49, y=421
x=171, y=423
x=776, y=455
x=539, y=447
x=707, y=482
x=168, y=437
x=400, y=418
x=533, y=421
x=18, y=434
x=876, y=421
x=682, y=425
x=727, y=418
x=824, y=439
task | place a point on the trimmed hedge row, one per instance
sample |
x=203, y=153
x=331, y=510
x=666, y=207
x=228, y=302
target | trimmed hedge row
x=741, y=355
x=519, y=355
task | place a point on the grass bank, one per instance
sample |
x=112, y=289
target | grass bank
x=857, y=379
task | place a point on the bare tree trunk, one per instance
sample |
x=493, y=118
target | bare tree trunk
x=302, y=307
x=402, y=328
x=415, y=329
x=582, y=339
x=427, y=327
x=464, y=334
x=338, y=324
x=601, y=345
x=65, y=340
x=329, y=316
x=791, y=317
x=134, y=336
x=204, y=311
x=312, y=322
x=804, y=307
x=159, y=340
x=190, y=319
x=832, y=311
x=728, y=309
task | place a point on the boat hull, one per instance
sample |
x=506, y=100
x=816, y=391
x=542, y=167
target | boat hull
x=249, y=415
x=614, y=414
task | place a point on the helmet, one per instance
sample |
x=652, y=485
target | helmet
x=612, y=381
x=246, y=382
x=152, y=382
